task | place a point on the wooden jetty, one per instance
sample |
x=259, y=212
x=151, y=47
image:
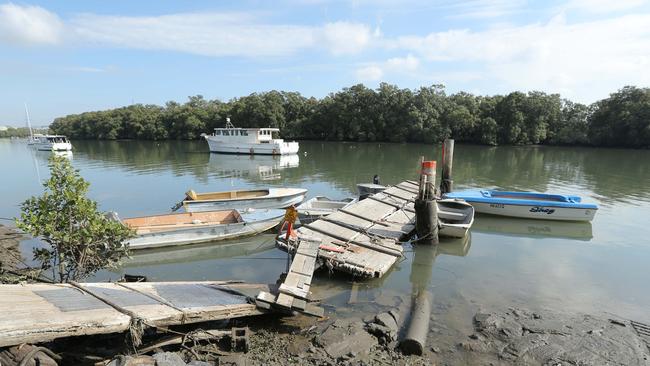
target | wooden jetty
x=42, y=312
x=362, y=239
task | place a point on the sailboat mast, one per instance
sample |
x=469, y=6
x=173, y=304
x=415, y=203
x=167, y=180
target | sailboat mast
x=29, y=124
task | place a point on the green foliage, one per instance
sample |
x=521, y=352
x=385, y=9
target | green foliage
x=623, y=119
x=388, y=113
x=20, y=131
x=81, y=239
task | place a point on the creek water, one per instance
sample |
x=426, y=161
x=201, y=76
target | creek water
x=599, y=267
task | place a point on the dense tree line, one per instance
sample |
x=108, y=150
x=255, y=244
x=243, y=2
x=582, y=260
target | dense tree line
x=20, y=131
x=388, y=114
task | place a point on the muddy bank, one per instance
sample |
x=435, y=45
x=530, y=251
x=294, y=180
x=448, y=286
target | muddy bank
x=513, y=336
x=10, y=257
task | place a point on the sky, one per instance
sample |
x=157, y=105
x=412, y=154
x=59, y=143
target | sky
x=65, y=57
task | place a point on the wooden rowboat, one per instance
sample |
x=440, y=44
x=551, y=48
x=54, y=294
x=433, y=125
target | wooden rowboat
x=528, y=205
x=243, y=199
x=319, y=206
x=198, y=227
x=455, y=218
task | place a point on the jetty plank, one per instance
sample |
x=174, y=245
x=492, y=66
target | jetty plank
x=33, y=313
x=364, y=238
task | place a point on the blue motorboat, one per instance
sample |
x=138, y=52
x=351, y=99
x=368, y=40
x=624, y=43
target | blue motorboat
x=530, y=205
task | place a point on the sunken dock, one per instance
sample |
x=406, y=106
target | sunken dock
x=363, y=238
x=43, y=312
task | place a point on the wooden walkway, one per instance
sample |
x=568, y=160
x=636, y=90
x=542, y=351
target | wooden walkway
x=42, y=312
x=293, y=293
x=362, y=239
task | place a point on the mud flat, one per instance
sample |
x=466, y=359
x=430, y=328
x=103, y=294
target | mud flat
x=10, y=257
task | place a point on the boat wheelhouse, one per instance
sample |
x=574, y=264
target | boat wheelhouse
x=234, y=140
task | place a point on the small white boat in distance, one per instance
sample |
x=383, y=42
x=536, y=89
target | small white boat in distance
x=244, y=199
x=455, y=218
x=46, y=142
x=49, y=142
x=366, y=189
x=232, y=140
x=319, y=206
x=199, y=227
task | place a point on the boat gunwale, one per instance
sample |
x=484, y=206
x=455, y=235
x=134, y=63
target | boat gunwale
x=471, y=196
x=267, y=197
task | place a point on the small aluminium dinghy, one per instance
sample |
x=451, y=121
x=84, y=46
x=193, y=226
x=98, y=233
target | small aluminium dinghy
x=455, y=218
x=319, y=206
x=529, y=205
x=198, y=227
x=256, y=198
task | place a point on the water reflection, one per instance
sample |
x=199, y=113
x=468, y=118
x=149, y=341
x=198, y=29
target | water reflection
x=253, y=167
x=532, y=228
x=201, y=252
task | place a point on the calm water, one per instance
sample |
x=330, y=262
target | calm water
x=600, y=267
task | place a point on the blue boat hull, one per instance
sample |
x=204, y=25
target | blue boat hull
x=528, y=205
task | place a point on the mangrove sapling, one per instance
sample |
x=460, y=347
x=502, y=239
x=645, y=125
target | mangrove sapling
x=81, y=239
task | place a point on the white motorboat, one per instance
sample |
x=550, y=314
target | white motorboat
x=367, y=189
x=455, y=218
x=319, y=206
x=232, y=140
x=49, y=142
x=244, y=199
x=46, y=142
x=198, y=227
x=528, y=205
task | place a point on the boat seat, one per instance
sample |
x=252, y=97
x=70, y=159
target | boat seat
x=450, y=213
x=191, y=195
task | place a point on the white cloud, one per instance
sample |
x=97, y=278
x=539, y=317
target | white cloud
x=483, y=8
x=209, y=34
x=369, y=73
x=584, y=60
x=408, y=63
x=24, y=25
x=603, y=6
x=346, y=38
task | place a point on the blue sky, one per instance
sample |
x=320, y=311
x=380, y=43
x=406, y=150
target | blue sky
x=63, y=57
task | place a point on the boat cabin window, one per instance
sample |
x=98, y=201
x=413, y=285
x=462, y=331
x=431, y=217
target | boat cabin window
x=217, y=133
x=226, y=133
x=244, y=133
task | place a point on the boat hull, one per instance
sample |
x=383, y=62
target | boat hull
x=528, y=205
x=56, y=146
x=202, y=234
x=271, y=148
x=242, y=204
x=319, y=206
x=455, y=218
x=536, y=211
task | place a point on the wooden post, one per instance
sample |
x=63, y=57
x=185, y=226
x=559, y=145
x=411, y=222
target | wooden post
x=426, y=209
x=418, y=328
x=446, y=181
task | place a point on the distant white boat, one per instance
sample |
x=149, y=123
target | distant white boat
x=319, y=206
x=49, y=142
x=455, y=218
x=366, y=189
x=46, y=142
x=232, y=140
x=198, y=227
x=244, y=199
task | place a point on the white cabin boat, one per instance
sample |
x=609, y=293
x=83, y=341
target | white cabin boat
x=198, y=227
x=367, y=189
x=455, y=218
x=244, y=199
x=49, y=142
x=232, y=140
x=319, y=206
